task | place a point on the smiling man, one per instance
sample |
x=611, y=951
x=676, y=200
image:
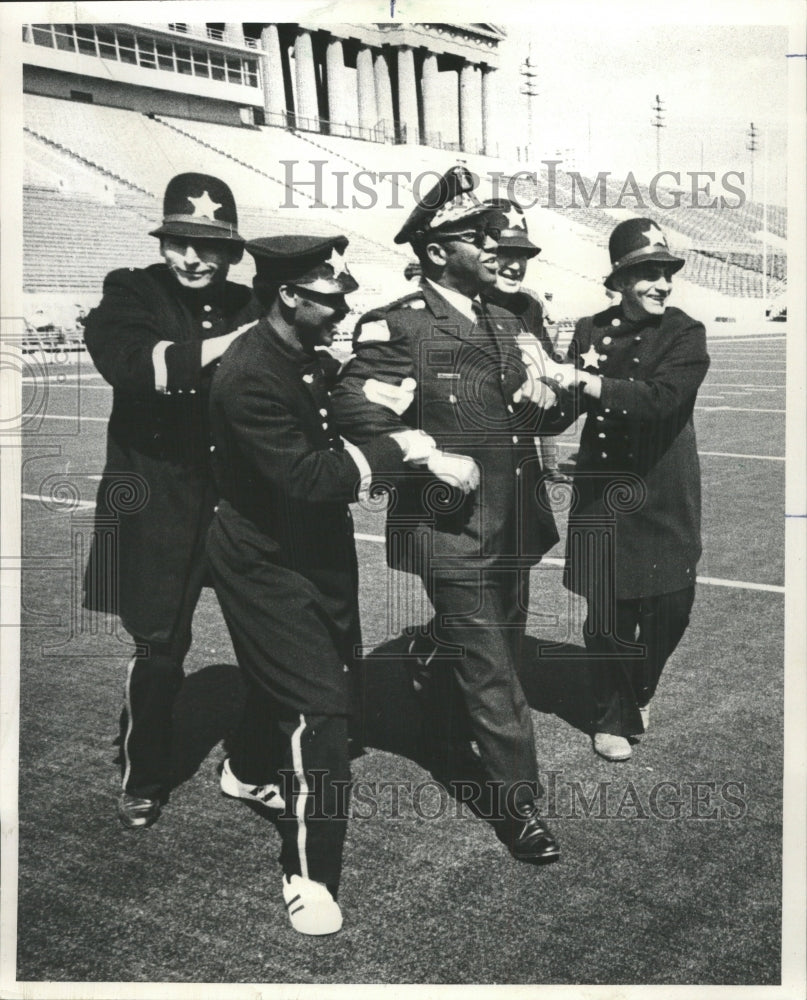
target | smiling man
x=155, y=337
x=516, y=250
x=473, y=552
x=634, y=530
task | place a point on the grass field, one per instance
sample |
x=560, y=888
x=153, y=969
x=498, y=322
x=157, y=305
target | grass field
x=671, y=862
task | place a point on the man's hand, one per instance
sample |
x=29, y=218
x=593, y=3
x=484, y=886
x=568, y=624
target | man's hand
x=397, y=398
x=536, y=391
x=459, y=471
x=539, y=365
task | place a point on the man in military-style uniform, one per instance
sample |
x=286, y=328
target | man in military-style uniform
x=473, y=552
x=283, y=560
x=634, y=531
x=155, y=337
x=515, y=251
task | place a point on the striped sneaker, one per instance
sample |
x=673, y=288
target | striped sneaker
x=262, y=795
x=311, y=908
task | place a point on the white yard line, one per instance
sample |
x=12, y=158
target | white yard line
x=709, y=581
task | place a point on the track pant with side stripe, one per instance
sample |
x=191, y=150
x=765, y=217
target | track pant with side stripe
x=293, y=637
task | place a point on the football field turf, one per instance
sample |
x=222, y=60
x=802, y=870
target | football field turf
x=670, y=868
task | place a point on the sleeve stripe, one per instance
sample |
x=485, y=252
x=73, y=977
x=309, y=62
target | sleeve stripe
x=365, y=472
x=160, y=368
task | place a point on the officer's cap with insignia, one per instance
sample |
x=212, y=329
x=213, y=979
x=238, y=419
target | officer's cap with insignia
x=449, y=205
x=512, y=223
x=199, y=206
x=313, y=263
x=636, y=241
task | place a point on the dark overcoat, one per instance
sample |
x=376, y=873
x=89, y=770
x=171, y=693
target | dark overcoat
x=281, y=545
x=467, y=398
x=156, y=496
x=637, y=487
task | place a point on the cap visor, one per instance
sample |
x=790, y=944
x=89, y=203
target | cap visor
x=198, y=232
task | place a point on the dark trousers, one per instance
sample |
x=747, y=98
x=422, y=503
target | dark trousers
x=292, y=651
x=152, y=684
x=483, y=613
x=307, y=755
x=629, y=659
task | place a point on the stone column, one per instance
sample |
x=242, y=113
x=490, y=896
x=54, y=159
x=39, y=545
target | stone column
x=274, y=91
x=407, y=94
x=304, y=76
x=234, y=33
x=431, y=107
x=489, y=96
x=383, y=90
x=368, y=108
x=337, y=86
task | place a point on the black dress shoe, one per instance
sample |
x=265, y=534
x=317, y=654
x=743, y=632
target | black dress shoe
x=556, y=476
x=135, y=813
x=528, y=839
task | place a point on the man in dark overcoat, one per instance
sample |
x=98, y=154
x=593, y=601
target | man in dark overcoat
x=634, y=529
x=156, y=336
x=472, y=552
x=515, y=251
x=282, y=555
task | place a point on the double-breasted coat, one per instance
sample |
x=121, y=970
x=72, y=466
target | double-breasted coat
x=281, y=545
x=156, y=496
x=468, y=380
x=637, y=486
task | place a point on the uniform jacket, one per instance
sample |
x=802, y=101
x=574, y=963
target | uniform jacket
x=638, y=474
x=467, y=377
x=528, y=308
x=278, y=457
x=285, y=482
x=156, y=497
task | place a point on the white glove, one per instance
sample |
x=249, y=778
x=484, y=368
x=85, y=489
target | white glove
x=397, y=398
x=459, y=471
x=539, y=365
x=536, y=391
x=415, y=445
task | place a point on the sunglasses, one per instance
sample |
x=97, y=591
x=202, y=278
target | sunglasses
x=474, y=237
x=333, y=300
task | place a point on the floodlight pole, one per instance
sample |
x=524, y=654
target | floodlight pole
x=752, y=146
x=658, y=125
x=529, y=87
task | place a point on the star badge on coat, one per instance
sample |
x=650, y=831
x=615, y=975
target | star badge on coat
x=204, y=206
x=591, y=359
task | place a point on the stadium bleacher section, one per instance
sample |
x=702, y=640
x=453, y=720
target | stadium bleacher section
x=101, y=172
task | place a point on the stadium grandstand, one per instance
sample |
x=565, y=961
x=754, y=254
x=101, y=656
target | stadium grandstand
x=334, y=128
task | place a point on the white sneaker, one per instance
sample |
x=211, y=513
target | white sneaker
x=644, y=711
x=612, y=747
x=263, y=795
x=311, y=908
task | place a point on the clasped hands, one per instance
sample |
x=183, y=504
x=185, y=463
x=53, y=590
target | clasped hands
x=542, y=373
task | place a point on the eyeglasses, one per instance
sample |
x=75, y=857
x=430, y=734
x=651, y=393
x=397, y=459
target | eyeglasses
x=333, y=300
x=474, y=237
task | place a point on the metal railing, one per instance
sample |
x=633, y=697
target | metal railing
x=383, y=132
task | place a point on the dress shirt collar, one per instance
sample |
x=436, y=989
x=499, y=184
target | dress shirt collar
x=456, y=299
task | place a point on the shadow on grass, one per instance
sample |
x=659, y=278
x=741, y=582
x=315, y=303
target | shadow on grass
x=556, y=678
x=207, y=710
